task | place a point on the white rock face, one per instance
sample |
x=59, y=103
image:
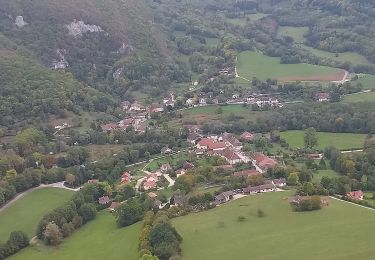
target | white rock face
x=125, y=49
x=61, y=62
x=20, y=22
x=78, y=28
x=117, y=73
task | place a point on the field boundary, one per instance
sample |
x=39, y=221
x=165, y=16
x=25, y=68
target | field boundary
x=352, y=203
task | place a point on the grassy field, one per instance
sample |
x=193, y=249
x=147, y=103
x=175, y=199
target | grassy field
x=364, y=97
x=155, y=164
x=339, y=231
x=295, y=32
x=99, y=239
x=98, y=152
x=205, y=114
x=352, y=57
x=367, y=81
x=254, y=64
x=26, y=213
x=321, y=173
x=342, y=141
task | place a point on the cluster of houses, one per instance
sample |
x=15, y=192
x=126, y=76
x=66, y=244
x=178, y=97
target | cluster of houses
x=355, y=195
x=261, y=100
x=267, y=186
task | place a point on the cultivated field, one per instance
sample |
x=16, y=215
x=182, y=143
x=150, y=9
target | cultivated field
x=206, y=114
x=25, y=213
x=99, y=239
x=339, y=231
x=254, y=64
x=342, y=141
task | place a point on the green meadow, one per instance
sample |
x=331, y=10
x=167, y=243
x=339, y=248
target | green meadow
x=97, y=240
x=26, y=212
x=338, y=231
x=254, y=64
x=342, y=141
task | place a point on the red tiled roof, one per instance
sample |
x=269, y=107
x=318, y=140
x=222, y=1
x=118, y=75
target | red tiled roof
x=264, y=161
x=355, y=194
x=230, y=155
x=103, y=200
x=247, y=136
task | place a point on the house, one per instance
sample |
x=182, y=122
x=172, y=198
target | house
x=189, y=102
x=279, y=182
x=231, y=140
x=223, y=197
x=246, y=173
x=103, y=200
x=259, y=189
x=152, y=195
x=264, y=162
x=231, y=157
x=125, y=178
x=355, y=195
x=93, y=181
x=204, y=143
x=136, y=107
x=165, y=168
x=156, y=108
x=188, y=166
x=150, y=184
x=109, y=127
x=193, y=138
x=165, y=150
x=322, y=96
x=125, y=105
x=202, y=101
x=114, y=206
x=247, y=137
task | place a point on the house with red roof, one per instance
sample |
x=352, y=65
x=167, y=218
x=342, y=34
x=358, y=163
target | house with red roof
x=247, y=137
x=322, y=96
x=231, y=157
x=150, y=184
x=355, y=195
x=264, y=162
x=210, y=144
x=125, y=178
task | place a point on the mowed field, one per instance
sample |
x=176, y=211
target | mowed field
x=254, y=64
x=97, y=240
x=206, y=114
x=342, y=141
x=363, y=97
x=338, y=231
x=26, y=212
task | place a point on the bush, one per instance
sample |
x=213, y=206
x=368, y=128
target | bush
x=260, y=213
x=241, y=219
x=87, y=212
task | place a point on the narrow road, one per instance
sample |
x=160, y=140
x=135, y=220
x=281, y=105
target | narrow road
x=59, y=185
x=169, y=179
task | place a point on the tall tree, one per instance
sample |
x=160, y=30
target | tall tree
x=310, y=138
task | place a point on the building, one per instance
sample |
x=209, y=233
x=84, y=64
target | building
x=109, y=127
x=193, y=138
x=246, y=173
x=150, y=184
x=156, y=108
x=202, y=101
x=322, y=96
x=125, y=178
x=231, y=157
x=279, y=182
x=355, y=195
x=189, y=102
x=223, y=197
x=264, y=162
x=103, y=200
x=231, y=140
x=125, y=105
x=210, y=144
x=136, y=107
x=259, y=189
x=247, y=137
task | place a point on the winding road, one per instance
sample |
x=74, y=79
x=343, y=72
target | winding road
x=59, y=185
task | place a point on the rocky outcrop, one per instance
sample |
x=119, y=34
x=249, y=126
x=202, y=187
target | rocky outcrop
x=20, y=22
x=78, y=28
